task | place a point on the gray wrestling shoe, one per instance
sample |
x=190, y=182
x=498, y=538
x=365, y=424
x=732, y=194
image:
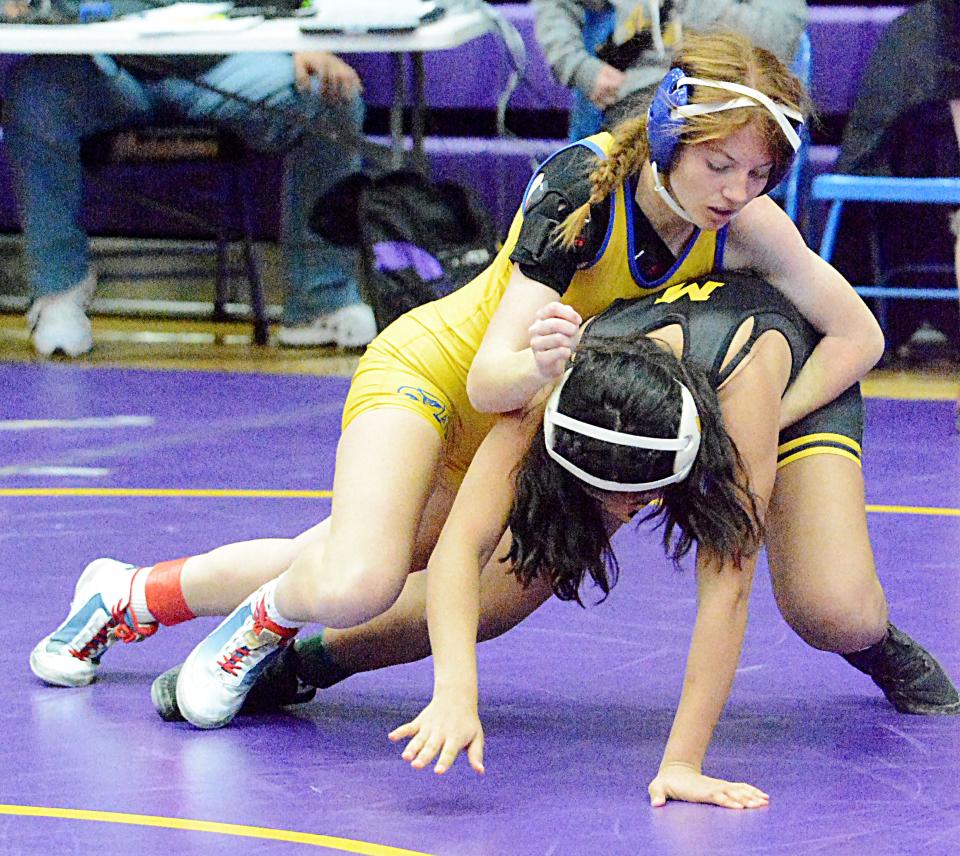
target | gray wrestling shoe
x=276, y=688
x=911, y=679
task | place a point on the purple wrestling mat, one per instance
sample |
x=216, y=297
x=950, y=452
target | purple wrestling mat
x=576, y=704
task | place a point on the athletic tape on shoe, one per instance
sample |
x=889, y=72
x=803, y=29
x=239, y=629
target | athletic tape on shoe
x=685, y=444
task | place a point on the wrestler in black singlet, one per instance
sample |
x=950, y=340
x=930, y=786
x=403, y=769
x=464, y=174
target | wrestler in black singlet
x=710, y=311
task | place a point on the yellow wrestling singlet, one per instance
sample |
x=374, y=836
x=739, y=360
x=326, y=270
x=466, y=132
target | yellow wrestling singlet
x=420, y=362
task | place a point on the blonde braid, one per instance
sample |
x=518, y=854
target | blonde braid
x=627, y=155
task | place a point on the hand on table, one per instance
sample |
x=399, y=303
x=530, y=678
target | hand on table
x=335, y=79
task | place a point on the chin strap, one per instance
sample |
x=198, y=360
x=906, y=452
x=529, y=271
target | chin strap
x=664, y=194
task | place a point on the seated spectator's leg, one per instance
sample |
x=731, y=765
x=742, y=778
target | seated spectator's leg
x=585, y=117
x=323, y=304
x=52, y=104
x=271, y=114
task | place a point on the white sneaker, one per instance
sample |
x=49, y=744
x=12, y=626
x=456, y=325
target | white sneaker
x=222, y=669
x=58, y=322
x=350, y=327
x=100, y=615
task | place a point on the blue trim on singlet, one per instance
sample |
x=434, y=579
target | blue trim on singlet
x=721, y=246
x=629, y=191
x=606, y=238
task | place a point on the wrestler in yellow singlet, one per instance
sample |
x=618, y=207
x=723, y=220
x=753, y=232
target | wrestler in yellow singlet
x=421, y=360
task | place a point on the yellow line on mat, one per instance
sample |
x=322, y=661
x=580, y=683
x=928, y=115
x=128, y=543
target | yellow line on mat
x=915, y=509
x=344, y=845
x=241, y=493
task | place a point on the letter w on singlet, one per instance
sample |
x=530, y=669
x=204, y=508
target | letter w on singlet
x=692, y=290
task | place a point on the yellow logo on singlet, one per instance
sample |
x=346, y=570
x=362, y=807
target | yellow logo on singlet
x=692, y=290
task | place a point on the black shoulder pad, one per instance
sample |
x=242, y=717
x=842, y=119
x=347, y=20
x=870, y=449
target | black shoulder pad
x=540, y=220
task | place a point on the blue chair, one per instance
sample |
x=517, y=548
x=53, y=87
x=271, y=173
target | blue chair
x=793, y=189
x=837, y=189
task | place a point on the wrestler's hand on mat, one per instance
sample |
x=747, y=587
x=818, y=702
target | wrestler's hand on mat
x=676, y=781
x=445, y=728
x=553, y=337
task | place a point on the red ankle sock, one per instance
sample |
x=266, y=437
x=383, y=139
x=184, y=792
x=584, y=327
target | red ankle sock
x=164, y=595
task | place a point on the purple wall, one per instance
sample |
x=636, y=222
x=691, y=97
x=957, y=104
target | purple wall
x=842, y=37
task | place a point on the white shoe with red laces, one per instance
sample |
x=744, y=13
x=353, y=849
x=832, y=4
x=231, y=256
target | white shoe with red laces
x=100, y=615
x=221, y=670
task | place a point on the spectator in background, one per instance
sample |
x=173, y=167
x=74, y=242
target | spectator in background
x=270, y=100
x=613, y=53
x=906, y=122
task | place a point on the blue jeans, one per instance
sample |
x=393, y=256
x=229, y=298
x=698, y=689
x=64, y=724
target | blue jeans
x=585, y=117
x=54, y=102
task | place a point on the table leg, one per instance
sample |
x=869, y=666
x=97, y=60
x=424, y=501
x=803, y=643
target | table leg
x=418, y=115
x=397, y=108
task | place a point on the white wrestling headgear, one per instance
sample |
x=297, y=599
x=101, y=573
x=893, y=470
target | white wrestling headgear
x=685, y=444
x=670, y=108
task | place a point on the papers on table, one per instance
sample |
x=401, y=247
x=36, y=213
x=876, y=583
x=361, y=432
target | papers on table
x=189, y=18
x=370, y=16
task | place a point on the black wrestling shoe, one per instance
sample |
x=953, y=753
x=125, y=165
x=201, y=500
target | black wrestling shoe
x=911, y=679
x=277, y=687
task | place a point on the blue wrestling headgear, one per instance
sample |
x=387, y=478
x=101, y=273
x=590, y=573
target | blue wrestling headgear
x=685, y=444
x=670, y=108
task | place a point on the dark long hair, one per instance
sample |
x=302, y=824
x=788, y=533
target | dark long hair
x=628, y=384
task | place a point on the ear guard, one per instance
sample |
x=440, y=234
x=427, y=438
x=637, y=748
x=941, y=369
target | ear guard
x=670, y=108
x=685, y=444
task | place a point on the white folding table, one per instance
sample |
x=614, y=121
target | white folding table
x=131, y=37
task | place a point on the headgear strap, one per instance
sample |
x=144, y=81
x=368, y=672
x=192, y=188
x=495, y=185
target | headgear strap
x=780, y=112
x=685, y=444
x=749, y=97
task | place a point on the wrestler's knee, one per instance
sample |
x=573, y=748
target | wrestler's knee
x=842, y=618
x=351, y=591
